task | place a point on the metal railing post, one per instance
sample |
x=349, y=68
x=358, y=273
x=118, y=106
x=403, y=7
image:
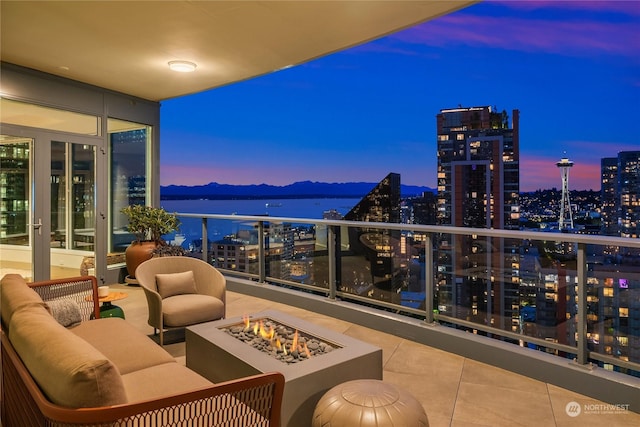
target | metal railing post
x=205, y=241
x=428, y=278
x=331, y=254
x=262, y=259
x=583, y=352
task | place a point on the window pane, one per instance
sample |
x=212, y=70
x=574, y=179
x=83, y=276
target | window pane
x=58, y=194
x=129, y=144
x=83, y=196
x=23, y=114
x=14, y=190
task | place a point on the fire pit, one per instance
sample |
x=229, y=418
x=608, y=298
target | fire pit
x=283, y=342
x=217, y=353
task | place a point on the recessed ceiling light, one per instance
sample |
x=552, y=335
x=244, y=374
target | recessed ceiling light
x=182, y=66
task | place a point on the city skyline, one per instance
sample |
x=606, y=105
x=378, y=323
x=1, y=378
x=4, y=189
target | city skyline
x=570, y=68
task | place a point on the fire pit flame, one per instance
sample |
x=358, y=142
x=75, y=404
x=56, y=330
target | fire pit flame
x=268, y=335
x=283, y=342
x=306, y=351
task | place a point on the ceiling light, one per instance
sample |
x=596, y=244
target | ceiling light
x=182, y=66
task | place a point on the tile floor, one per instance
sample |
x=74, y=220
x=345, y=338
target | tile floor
x=454, y=391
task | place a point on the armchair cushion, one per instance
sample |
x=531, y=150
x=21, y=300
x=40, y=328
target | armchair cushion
x=189, y=309
x=171, y=284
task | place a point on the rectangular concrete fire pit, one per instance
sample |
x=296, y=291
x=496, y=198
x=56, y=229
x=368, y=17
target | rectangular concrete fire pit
x=218, y=356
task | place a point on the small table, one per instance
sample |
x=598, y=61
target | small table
x=107, y=309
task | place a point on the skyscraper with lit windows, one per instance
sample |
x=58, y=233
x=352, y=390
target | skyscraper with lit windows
x=478, y=186
x=609, y=191
x=380, y=247
x=629, y=190
x=620, y=180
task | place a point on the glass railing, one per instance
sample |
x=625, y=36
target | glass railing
x=571, y=295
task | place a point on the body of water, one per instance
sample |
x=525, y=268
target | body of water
x=291, y=208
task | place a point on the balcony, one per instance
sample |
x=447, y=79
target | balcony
x=513, y=300
x=453, y=389
x=431, y=306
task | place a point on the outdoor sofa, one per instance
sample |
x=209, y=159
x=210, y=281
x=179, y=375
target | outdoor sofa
x=61, y=368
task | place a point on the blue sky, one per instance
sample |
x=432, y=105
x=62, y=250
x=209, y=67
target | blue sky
x=572, y=69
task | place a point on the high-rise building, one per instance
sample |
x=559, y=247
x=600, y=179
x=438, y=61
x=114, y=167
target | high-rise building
x=478, y=186
x=609, y=191
x=381, y=247
x=382, y=204
x=629, y=193
x=620, y=180
x=422, y=210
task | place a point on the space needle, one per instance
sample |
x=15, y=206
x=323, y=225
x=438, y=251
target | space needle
x=565, y=222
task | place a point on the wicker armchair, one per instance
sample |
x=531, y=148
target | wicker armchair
x=202, y=301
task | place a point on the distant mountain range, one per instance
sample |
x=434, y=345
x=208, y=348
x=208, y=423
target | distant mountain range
x=297, y=190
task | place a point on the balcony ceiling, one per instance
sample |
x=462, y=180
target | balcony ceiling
x=126, y=46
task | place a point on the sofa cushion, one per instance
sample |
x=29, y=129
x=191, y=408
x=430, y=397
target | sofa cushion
x=189, y=309
x=161, y=381
x=15, y=294
x=123, y=344
x=65, y=311
x=170, y=284
x=69, y=370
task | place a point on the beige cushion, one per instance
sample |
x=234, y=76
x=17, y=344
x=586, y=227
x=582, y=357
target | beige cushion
x=189, y=309
x=123, y=344
x=161, y=381
x=65, y=311
x=15, y=294
x=176, y=284
x=69, y=370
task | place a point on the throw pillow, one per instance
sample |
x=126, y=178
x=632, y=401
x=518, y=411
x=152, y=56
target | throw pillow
x=171, y=284
x=66, y=312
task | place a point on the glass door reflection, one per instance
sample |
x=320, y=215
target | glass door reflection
x=15, y=205
x=73, y=219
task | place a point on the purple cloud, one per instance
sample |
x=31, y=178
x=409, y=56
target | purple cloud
x=566, y=37
x=627, y=7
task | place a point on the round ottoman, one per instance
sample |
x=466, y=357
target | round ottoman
x=368, y=403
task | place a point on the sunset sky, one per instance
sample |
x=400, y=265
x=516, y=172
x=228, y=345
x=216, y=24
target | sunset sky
x=572, y=69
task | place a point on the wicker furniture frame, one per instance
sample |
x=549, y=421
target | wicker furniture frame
x=250, y=401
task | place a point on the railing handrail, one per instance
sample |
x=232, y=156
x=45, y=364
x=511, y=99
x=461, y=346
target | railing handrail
x=580, y=350
x=435, y=229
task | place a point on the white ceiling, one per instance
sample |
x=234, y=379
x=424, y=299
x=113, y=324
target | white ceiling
x=125, y=46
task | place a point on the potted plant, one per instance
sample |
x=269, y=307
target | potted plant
x=148, y=224
x=168, y=250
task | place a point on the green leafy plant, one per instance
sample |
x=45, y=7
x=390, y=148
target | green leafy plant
x=149, y=223
x=169, y=250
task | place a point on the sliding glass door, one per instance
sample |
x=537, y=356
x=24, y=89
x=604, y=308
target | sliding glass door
x=47, y=203
x=15, y=205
